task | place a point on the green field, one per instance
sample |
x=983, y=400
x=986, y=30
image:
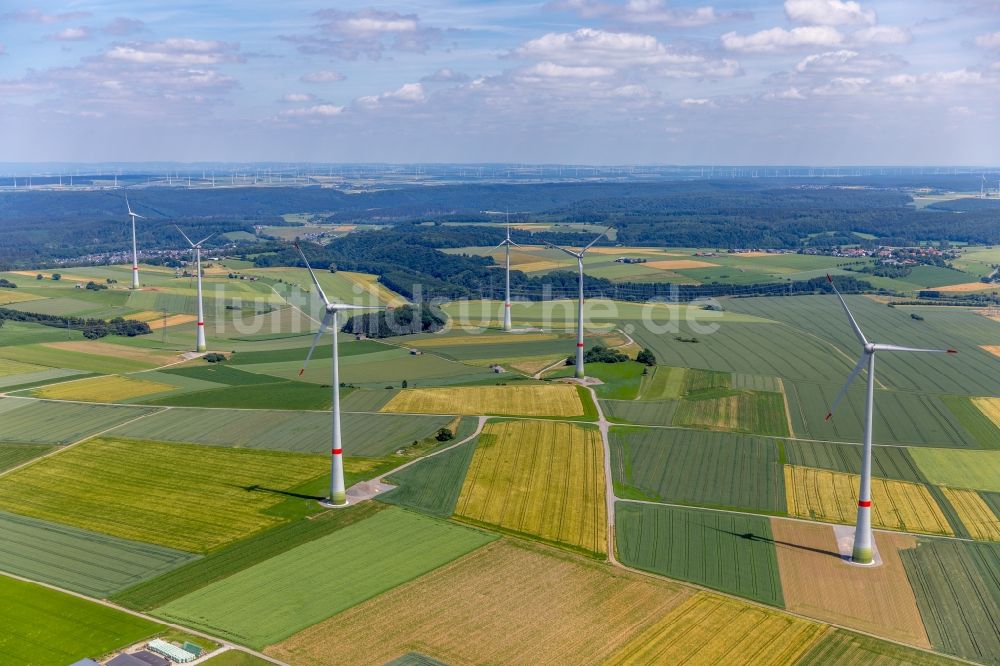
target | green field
x=415, y=659
x=64, y=359
x=298, y=354
x=432, y=486
x=900, y=418
x=220, y=374
x=240, y=555
x=12, y=382
x=698, y=468
x=17, y=333
x=188, y=497
x=756, y=412
x=982, y=429
x=889, y=462
x=846, y=648
x=12, y=455
x=43, y=422
x=957, y=585
x=280, y=394
x=236, y=658
x=979, y=470
x=74, y=559
x=274, y=599
x=369, y=435
x=641, y=412
x=726, y=552
x=43, y=627
x=662, y=383
x=621, y=381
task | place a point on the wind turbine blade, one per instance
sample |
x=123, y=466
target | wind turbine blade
x=185, y=235
x=496, y=248
x=346, y=306
x=881, y=347
x=854, y=324
x=141, y=217
x=513, y=243
x=556, y=247
x=591, y=244
x=322, y=327
x=127, y=205
x=204, y=239
x=850, y=378
x=319, y=289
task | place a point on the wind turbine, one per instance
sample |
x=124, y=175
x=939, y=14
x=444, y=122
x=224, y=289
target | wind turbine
x=506, y=243
x=135, y=252
x=200, y=346
x=863, y=531
x=338, y=494
x=579, y=311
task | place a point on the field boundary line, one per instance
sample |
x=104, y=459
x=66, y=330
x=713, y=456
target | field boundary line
x=380, y=480
x=788, y=411
x=59, y=449
x=149, y=618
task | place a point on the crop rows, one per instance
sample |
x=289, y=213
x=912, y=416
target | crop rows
x=37, y=422
x=530, y=400
x=728, y=552
x=745, y=411
x=662, y=383
x=964, y=469
x=701, y=468
x=544, y=478
x=12, y=455
x=192, y=498
x=432, y=486
x=975, y=514
x=846, y=647
x=109, y=388
x=641, y=412
x=889, y=462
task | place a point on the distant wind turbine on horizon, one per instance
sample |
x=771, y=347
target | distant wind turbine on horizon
x=135, y=251
x=579, y=372
x=862, y=553
x=200, y=344
x=338, y=493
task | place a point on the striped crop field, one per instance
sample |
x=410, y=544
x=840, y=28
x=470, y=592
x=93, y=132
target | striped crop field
x=846, y=648
x=662, y=383
x=817, y=583
x=12, y=367
x=41, y=422
x=368, y=435
x=977, y=424
x=729, y=552
x=270, y=601
x=979, y=470
x=482, y=339
x=957, y=585
x=485, y=609
x=12, y=455
x=641, y=412
x=755, y=412
x=49, y=628
x=543, y=478
x=833, y=497
x=79, y=560
x=975, y=514
x=889, y=462
x=709, y=629
x=110, y=349
x=188, y=497
x=432, y=486
x=109, y=388
x=700, y=468
x=530, y=400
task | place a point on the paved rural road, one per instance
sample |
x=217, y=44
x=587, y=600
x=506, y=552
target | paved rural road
x=609, y=484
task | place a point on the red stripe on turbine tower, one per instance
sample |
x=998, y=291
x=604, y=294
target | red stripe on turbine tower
x=579, y=344
x=865, y=504
x=336, y=452
x=201, y=323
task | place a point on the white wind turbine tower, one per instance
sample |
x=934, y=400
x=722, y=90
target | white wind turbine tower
x=506, y=243
x=338, y=494
x=200, y=345
x=862, y=553
x=579, y=374
x=135, y=252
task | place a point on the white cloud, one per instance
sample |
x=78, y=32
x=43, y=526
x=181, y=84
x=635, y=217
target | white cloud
x=408, y=93
x=326, y=76
x=779, y=39
x=317, y=111
x=843, y=85
x=700, y=101
x=38, y=16
x=845, y=61
x=882, y=34
x=446, y=75
x=297, y=97
x=368, y=32
x=646, y=13
x=990, y=40
x=70, y=35
x=828, y=12
x=552, y=70
x=936, y=80
x=174, y=51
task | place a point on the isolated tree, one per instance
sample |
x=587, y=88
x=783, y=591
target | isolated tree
x=404, y=384
x=57, y=276
x=646, y=357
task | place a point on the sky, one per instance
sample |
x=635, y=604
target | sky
x=803, y=82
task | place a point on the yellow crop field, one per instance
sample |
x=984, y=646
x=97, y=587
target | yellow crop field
x=966, y=287
x=708, y=629
x=11, y=367
x=535, y=266
x=506, y=603
x=544, y=478
x=370, y=283
x=16, y=296
x=110, y=388
x=992, y=349
x=172, y=320
x=532, y=364
x=460, y=340
x=990, y=407
x=536, y=400
x=974, y=513
x=146, y=315
x=833, y=497
x=680, y=264
x=71, y=277
x=151, y=356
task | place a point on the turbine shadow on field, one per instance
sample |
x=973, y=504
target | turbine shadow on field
x=750, y=536
x=257, y=488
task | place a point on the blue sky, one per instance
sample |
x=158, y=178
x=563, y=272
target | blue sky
x=572, y=81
